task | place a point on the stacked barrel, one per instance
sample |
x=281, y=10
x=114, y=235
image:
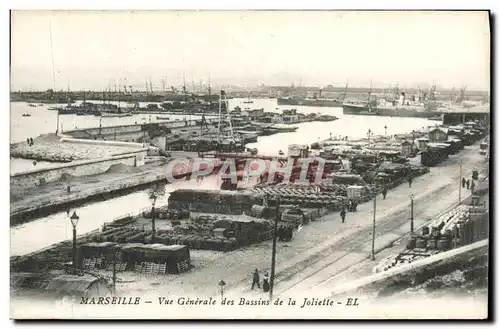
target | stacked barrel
x=460, y=226
x=307, y=195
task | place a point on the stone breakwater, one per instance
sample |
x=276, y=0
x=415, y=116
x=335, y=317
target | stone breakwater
x=51, y=148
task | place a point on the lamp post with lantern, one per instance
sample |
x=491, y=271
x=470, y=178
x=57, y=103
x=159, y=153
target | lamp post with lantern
x=153, y=223
x=74, y=222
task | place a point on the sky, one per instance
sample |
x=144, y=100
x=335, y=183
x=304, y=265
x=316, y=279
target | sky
x=90, y=48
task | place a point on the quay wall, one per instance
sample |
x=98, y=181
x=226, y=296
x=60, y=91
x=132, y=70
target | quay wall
x=133, y=127
x=29, y=179
x=102, y=143
x=413, y=274
x=128, y=132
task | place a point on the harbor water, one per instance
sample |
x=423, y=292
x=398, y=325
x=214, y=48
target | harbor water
x=94, y=215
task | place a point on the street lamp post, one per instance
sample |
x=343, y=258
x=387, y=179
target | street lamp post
x=222, y=285
x=374, y=216
x=153, y=223
x=411, y=214
x=74, y=221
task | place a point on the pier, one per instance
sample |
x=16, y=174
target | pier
x=461, y=116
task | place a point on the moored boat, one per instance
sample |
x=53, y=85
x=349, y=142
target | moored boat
x=283, y=128
x=309, y=102
x=401, y=105
x=115, y=115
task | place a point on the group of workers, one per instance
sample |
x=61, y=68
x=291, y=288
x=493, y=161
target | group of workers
x=256, y=281
x=353, y=204
x=469, y=183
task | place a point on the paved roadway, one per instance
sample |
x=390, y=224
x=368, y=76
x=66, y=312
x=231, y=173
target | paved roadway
x=325, y=252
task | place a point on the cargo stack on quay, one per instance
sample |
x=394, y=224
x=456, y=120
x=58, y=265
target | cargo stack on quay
x=463, y=224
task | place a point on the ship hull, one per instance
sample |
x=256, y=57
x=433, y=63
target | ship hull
x=354, y=109
x=405, y=113
x=309, y=102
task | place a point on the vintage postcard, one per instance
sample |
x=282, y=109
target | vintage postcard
x=249, y=164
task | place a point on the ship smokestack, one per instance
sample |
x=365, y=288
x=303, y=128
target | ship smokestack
x=401, y=98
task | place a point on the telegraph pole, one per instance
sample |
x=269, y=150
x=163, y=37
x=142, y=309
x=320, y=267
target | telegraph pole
x=374, y=215
x=273, y=259
x=153, y=224
x=114, y=270
x=411, y=214
x=460, y=183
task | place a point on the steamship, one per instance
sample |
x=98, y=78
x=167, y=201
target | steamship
x=419, y=106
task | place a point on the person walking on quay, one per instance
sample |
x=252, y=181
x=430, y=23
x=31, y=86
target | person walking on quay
x=468, y=184
x=342, y=215
x=28, y=141
x=384, y=192
x=463, y=182
x=354, y=205
x=289, y=234
x=410, y=180
x=265, y=282
x=256, y=279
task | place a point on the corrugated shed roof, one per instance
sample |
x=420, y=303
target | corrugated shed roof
x=441, y=145
x=72, y=284
x=443, y=129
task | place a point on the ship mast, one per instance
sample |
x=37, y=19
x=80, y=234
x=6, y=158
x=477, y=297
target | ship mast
x=370, y=92
x=119, y=92
x=370, y=97
x=396, y=92
x=461, y=96
x=184, y=97
x=231, y=134
x=219, y=116
x=345, y=91
x=53, y=73
x=209, y=95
